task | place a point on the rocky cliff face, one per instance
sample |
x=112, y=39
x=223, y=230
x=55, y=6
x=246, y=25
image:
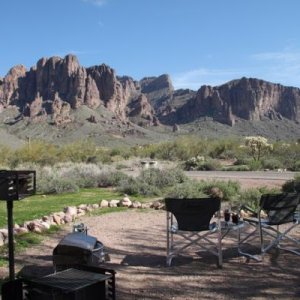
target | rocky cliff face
x=57, y=83
x=249, y=99
x=55, y=86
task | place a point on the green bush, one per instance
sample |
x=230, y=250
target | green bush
x=297, y=166
x=194, y=163
x=187, y=189
x=152, y=182
x=210, y=165
x=243, y=161
x=134, y=186
x=272, y=164
x=251, y=197
x=292, y=185
x=236, y=168
x=111, y=178
x=230, y=189
x=255, y=165
x=162, y=178
x=57, y=186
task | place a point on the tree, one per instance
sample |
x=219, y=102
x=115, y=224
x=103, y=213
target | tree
x=258, y=146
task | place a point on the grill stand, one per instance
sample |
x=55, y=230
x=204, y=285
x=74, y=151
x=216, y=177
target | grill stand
x=10, y=226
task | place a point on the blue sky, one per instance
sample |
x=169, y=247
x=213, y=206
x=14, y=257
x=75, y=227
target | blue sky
x=196, y=42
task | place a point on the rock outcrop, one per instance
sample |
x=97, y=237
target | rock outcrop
x=55, y=86
x=142, y=113
x=159, y=90
x=247, y=98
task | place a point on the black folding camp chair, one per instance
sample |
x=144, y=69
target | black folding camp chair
x=282, y=215
x=192, y=226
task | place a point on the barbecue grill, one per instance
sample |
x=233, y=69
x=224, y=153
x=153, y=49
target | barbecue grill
x=15, y=185
x=78, y=248
x=79, y=283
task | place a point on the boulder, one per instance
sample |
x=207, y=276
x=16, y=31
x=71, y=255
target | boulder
x=68, y=218
x=21, y=230
x=157, y=205
x=80, y=212
x=136, y=204
x=57, y=219
x=71, y=211
x=82, y=206
x=2, y=239
x=125, y=202
x=104, y=203
x=4, y=233
x=95, y=206
x=114, y=203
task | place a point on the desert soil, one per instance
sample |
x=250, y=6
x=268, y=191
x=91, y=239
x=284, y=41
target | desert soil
x=136, y=243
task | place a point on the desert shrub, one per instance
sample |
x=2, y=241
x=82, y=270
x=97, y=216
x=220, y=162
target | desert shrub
x=37, y=152
x=152, y=181
x=236, y=168
x=111, y=178
x=194, y=163
x=242, y=160
x=135, y=186
x=251, y=197
x=187, y=189
x=6, y=155
x=288, y=154
x=255, y=165
x=83, y=175
x=80, y=151
x=230, y=189
x=72, y=176
x=121, y=166
x=117, y=158
x=272, y=164
x=224, y=149
x=296, y=166
x=162, y=178
x=65, y=185
x=210, y=165
x=200, y=164
x=54, y=184
x=292, y=185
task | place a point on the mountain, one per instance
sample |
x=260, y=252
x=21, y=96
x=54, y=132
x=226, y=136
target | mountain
x=63, y=98
x=247, y=99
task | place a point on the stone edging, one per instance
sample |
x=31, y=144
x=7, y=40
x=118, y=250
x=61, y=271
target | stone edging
x=71, y=213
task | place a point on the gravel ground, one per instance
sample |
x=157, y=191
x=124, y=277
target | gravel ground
x=136, y=242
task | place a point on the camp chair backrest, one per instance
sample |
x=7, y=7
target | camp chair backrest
x=193, y=214
x=280, y=208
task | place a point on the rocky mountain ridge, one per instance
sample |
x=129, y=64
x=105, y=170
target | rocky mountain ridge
x=57, y=86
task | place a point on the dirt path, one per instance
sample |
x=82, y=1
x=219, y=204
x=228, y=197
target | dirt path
x=136, y=242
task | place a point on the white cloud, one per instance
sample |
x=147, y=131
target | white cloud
x=95, y=2
x=194, y=79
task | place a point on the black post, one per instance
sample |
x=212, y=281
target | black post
x=10, y=225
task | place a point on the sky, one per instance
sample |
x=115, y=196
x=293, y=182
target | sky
x=196, y=42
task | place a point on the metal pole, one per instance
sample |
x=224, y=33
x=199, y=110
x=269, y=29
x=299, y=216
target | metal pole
x=10, y=239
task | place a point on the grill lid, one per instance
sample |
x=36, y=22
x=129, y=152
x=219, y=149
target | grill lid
x=76, y=240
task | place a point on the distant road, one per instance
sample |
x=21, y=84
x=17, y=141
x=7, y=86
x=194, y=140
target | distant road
x=247, y=179
x=236, y=175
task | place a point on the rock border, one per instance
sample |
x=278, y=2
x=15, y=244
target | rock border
x=71, y=213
